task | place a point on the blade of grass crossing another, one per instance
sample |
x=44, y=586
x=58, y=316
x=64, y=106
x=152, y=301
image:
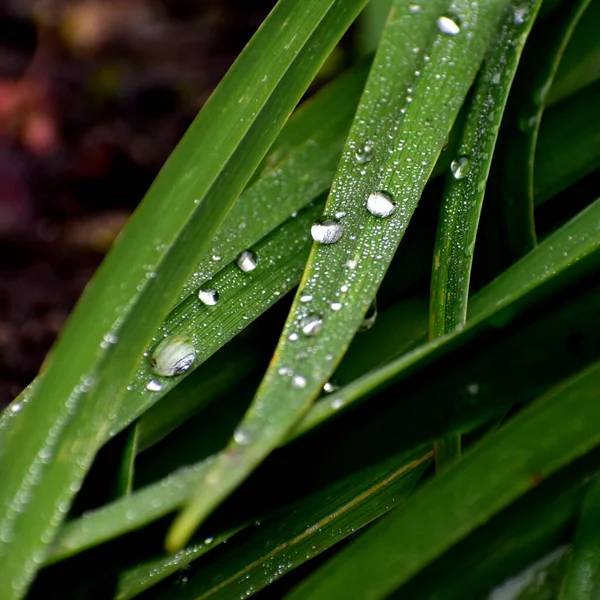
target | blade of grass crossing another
x=465, y=188
x=169, y=233
x=540, y=441
x=416, y=94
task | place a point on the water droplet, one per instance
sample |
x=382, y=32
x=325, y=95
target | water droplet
x=247, y=261
x=209, y=297
x=414, y=8
x=285, y=371
x=306, y=298
x=173, y=356
x=460, y=167
x=216, y=258
x=350, y=264
x=370, y=317
x=16, y=407
x=109, y=339
x=311, y=324
x=340, y=214
x=298, y=382
x=336, y=306
x=208, y=540
x=447, y=25
x=496, y=78
x=472, y=389
x=520, y=15
x=365, y=154
x=381, y=204
x=326, y=231
x=154, y=386
x=331, y=387
x=337, y=403
x=293, y=337
x=243, y=436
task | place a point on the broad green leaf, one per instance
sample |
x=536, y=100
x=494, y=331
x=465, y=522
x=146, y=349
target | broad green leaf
x=546, y=437
x=568, y=247
x=142, y=275
x=582, y=581
x=518, y=156
x=341, y=278
x=292, y=536
x=465, y=187
x=470, y=392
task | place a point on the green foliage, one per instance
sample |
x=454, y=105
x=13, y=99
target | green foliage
x=287, y=429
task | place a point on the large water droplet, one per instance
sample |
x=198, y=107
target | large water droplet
x=306, y=298
x=311, y=325
x=381, y=204
x=326, y=231
x=336, y=306
x=460, y=167
x=209, y=297
x=173, y=356
x=365, y=154
x=247, y=261
x=298, y=382
x=154, y=386
x=448, y=25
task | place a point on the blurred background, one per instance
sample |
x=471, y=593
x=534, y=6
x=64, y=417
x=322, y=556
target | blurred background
x=94, y=95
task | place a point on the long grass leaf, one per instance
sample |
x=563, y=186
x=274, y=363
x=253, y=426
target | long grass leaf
x=437, y=75
x=171, y=230
x=519, y=150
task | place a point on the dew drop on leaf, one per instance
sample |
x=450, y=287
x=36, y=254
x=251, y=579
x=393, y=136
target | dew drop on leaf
x=448, y=25
x=298, y=382
x=154, y=386
x=209, y=297
x=381, y=204
x=326, y=231
x=460, y=167
x=365, y=154
x=311, y=325
x=173, y=356
x=247, y=261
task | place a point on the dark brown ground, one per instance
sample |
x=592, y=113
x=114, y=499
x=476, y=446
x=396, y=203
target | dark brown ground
x=94, y=94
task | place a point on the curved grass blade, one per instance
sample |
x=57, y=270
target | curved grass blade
x=569, y=145
x=465, y=409
x=546, y=437
x=463, y=196
x=432, y=83
x=519, y=152
x=565, y=249
x=168, y=234
x=298, y=532
x=582, y=581
x=580, y=65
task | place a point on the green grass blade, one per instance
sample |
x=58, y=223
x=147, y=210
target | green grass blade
x=536, y=444
x=580, y=65
x=446, y=62
x=569, y=144
x=463, y=196
x=319, y=521
x=441, y=403
x=519, y=151
x=169, y=233
x=582, y=581
x=566, y=248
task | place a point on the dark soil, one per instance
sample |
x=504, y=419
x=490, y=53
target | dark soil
x=94, y=95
